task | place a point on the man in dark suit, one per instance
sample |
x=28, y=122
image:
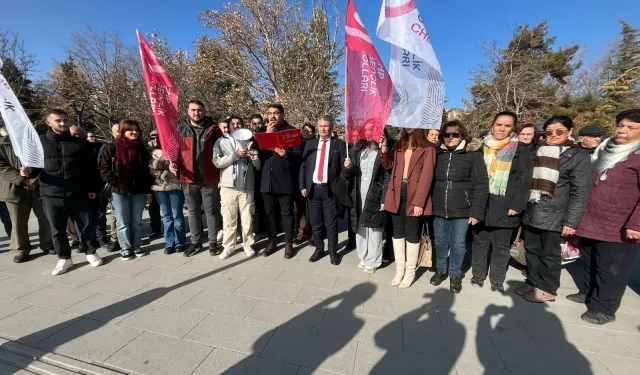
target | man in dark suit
x=277, y=185
x=322, y=160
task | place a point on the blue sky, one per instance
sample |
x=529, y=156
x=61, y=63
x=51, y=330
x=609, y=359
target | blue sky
x=455, y=27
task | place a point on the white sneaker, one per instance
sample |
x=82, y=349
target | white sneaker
x=219, y=236
x=361, y=265
x=94, y=260
x=62, y=266
x=226, y=253
x=369, y=270
x=249, y=251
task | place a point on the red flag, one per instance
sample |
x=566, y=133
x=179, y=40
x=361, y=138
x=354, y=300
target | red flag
x=164, y=101
x=368, y=86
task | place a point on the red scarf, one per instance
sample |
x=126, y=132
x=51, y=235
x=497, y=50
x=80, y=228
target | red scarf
x=130, y=158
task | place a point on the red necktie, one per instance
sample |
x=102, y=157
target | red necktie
x=321, y=165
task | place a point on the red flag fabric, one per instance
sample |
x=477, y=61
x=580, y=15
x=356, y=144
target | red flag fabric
x=369, y=89
x=164, y=101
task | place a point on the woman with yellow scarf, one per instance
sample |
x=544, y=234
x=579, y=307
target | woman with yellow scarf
x=509, y=166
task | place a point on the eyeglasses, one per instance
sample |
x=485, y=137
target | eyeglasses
x=558, y=132
x=451, y=135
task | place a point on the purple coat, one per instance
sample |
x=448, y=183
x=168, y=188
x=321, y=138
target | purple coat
x=614, y=205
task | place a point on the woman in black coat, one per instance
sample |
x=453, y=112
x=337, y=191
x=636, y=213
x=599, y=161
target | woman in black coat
x=460, y=196
x=509, y=166
x=369, y=179
x=559, y=195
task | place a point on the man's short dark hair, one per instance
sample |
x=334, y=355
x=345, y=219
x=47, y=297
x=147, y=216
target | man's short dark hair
x=225, y=119
x=277, y=106
x=507, y=113
x=257, y=116
x=57, y=111
x=632, y=115
x=196, y=102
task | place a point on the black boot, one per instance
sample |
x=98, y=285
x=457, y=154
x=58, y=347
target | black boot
x=577, y=298
x=597, y=318
x=335, y=259
x=317, y=255
x=438, y=278
x=271, y=248
x=455, y=284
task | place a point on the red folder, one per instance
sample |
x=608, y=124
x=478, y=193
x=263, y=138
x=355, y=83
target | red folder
x=283, y=140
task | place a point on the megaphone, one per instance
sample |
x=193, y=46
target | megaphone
x=244, y=138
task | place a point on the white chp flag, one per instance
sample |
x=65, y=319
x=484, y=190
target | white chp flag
x=418, y=86
x=23, y=136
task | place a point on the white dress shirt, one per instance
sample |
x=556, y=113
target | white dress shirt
x=325, y=166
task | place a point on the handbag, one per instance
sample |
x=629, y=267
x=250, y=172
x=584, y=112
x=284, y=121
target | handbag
x=569, y=252
x=426, y=247
x=517, y=251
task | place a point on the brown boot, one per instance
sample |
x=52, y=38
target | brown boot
x=539, y=296
x=288, y=251
x=271, y=248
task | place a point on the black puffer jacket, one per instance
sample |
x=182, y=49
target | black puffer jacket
x=516, y=195
x=461, y=186
x=70, y=166
x=371, y=216
x=570, y=197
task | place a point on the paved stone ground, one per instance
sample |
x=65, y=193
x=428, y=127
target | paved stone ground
x=174, y=315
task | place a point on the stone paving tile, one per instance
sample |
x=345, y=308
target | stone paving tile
x=164, y=319
x=374, y=360
x=409, y=312
x=6, y=262
x=494, y=321
x=167, y=294
x=166, y=274
x=158, y=258
x=90, y=340
x=35, y=324
x=56, y=297
x=33, y=270
x=457, y=344
x=155, y=354
x=116, y=284
x=232, y=334
x=17, y=287
x=4, y=276
x=288, y=315
x=313, y=296
x=326, y=268
x=277, y=261
x=467, y=368
x=8, y=307
x=204, y=264
x=220, y=282
x=312, y=350
x=383, y=332
x=75, y=279
x=381, y=290
x=269, y=290
x=307, y=279
x=222, y=303
x=620, y=366
x=226, y=362
x=106, y=307
x=308, y=371
x=527, y=356
x=122, y=268
x=259, y=273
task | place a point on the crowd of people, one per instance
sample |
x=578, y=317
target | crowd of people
x=533, y=179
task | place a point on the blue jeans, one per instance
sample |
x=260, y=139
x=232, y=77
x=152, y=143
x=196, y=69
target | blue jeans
x=128, y=211
x=450, y=234
x=171, y=203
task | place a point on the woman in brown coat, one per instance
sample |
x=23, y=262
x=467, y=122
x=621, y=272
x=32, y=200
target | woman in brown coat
x=408, y=198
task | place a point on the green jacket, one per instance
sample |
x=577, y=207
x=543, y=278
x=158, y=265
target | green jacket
x=10, y=180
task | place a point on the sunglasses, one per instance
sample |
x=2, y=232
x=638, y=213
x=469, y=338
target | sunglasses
x=558, y=132
x=451, y=135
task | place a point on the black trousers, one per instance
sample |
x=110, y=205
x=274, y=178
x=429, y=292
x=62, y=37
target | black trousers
x=285, y=203
x=155, y=219
x=80, y=210
x=607, y=266
x=100, y=207
x=322, y=214
x=544, y=259
x=408, y=227
x=4, y=217
x=491, y=247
